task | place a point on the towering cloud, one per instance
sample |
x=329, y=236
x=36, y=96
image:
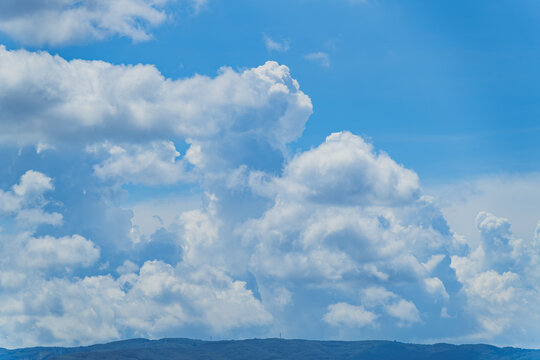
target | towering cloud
x=242, y=237
x=500, y=281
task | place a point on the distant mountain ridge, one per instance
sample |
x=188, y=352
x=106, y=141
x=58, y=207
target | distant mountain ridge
x=269, y=349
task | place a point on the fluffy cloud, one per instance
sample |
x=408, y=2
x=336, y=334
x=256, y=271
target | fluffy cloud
x=511, y=196
x=32, y=183
x=45, y=299
x=343, y=214
x=154, y=163
x=319, y=232
x=405, y=311
x=338, y=235
x=344, y=211
x=48, y=251
x=56, y=22
x=349, y=315
x=214, y=298
x=149, y=302
x=120, y=102
x=500, y=281
x=234, y=119
x=346, y=170
x=436, y=286
x=25, y=202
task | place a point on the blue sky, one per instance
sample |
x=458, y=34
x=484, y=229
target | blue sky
x=324, y=169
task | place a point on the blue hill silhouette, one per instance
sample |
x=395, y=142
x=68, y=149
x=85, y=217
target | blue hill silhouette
x=269, y=349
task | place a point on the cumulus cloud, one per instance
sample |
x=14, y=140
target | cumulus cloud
x=338, y=235
x=346, y=170
x=200, y=229
x=49, y=251
x=405, y=311
x=392, y=304
x=344, y=214
x=122, y=102
x=500, y=280
x=377, y=295
x=233, y=119
x=370, y=224
x=219, y=301
x=435, y=286
x=153, y=163
x=148, y=303
x=57, y=22
x=511, y=196
x=337, y=209
x=345, y=314
x=127, y=267
x=25, y=202
x=32, y=183
x=46, y=301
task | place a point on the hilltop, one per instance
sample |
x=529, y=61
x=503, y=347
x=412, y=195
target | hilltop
x=269, y=349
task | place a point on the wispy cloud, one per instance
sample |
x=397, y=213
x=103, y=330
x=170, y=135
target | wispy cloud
x=199, y=5
x=274, y=45
x=321, y=57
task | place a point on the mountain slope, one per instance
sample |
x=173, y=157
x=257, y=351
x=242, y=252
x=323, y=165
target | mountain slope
x=270, y=349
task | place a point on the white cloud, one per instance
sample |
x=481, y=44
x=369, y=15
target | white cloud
x=57, y=22
x=405, y=311
x=32, y=183
x=121, y=102
x=274, y=45
x=153, y=163
x=344, y=214
x=500, y=281
x=512, y=196
x=342, y=209
x=43, y=301
x=127, y=267
x=201, y=237
x=159, y=213
x=232, y=119
x=321, y=57
x=149, y=303
x=198, y=5
x=341, y=223
x=392, y=304
x=346, y=170
x=498, y=273
x=376, y=295
x=444, y=313
x=66, y=251
x=25, y=202
x=343, y=314
x=436, y=287
x=41, y=147
x=33, y=217
x=433, y=262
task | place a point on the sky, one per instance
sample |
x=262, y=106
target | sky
x=346, y=169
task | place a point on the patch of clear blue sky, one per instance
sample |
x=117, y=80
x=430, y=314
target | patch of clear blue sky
x=448, y=88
